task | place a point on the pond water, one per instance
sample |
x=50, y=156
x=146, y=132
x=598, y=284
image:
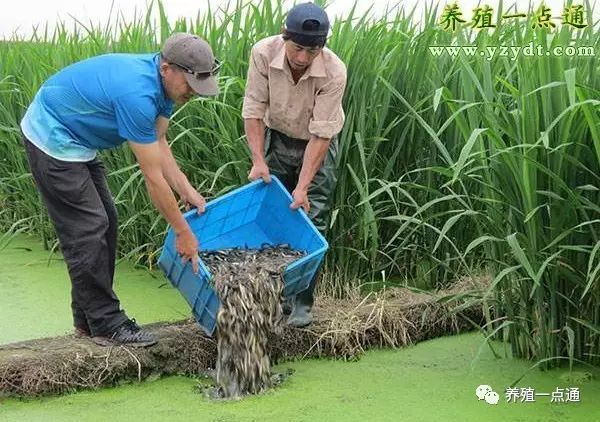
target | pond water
x=431, y=381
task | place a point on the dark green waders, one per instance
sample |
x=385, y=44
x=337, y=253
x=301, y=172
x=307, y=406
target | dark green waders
x=284, y=156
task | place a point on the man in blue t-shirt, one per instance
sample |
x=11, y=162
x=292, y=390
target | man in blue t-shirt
x=96, y=104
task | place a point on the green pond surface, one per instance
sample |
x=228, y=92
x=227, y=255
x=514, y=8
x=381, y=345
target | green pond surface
x=431, y=381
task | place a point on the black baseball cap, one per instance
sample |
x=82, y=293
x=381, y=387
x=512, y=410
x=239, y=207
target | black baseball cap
x=307, y=24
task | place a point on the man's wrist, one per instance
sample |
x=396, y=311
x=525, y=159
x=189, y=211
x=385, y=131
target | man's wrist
x=182, y=230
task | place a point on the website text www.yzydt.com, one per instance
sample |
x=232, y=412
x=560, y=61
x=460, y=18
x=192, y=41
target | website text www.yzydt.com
x=510, y=51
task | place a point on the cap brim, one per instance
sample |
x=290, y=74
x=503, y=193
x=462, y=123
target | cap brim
x=206, y=87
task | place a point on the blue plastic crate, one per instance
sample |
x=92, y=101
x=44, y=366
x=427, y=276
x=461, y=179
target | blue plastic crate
x=251, y=217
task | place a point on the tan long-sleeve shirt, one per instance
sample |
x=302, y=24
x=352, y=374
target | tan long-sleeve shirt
x=313, y=106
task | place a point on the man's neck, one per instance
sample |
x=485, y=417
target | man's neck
x=296, y=74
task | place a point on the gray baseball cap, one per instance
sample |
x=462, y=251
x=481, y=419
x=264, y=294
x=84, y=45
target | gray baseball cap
x=193, y=56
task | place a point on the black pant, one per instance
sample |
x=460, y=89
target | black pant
x=85, y=218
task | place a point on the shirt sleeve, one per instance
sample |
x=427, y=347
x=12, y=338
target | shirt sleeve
x=328, y=116
x=136, y=118
x=166, y=110
x=256, y=98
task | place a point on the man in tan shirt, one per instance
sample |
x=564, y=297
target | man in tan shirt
x=292, y=114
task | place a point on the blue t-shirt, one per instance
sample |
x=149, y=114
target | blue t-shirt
x=97, y=103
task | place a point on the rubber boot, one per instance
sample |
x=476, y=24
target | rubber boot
x=301, y=315
x=287, y=305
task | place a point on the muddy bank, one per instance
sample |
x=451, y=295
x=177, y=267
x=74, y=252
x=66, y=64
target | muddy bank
x=342, y=329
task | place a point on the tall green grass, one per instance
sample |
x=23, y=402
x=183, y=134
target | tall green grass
x=448, y=166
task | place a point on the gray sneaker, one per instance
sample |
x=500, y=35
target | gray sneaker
x=127, y=334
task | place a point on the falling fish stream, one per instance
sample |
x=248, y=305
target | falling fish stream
x=249, y=285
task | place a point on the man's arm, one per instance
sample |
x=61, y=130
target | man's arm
x=149, y=159
x=327, y=120
x=314, y=154
x=255, y=133
x=256, y=101
x=171, y=171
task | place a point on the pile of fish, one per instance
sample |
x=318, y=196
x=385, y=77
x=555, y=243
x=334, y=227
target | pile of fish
x=249, y=285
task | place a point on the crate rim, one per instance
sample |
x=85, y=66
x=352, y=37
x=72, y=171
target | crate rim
x=274, y=179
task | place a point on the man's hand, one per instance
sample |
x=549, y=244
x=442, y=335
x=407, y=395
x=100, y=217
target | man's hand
x=194, y=199
x=300, y=200
x=260, y=170
x=187, y=247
